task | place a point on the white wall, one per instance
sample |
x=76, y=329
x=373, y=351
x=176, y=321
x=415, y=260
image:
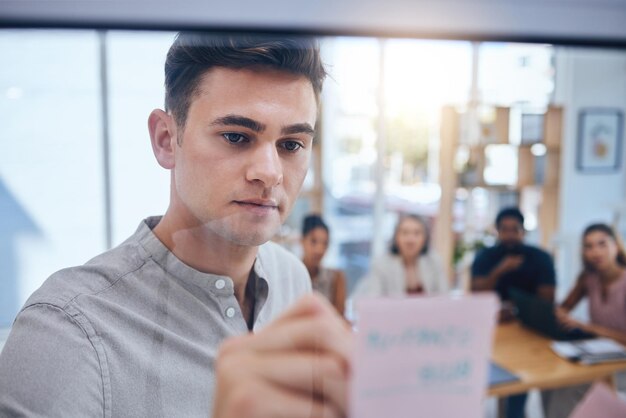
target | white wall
x=52, y=199
x=585, y=78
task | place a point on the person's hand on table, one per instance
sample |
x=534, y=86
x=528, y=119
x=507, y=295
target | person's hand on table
x=566, y=321
x=298, y=366
x=506, y=313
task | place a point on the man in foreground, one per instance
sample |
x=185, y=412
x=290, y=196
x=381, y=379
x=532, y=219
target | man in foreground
x=140, y=330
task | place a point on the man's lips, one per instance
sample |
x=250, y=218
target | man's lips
x=260, y=203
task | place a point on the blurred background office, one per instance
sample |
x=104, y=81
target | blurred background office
x=449, y=110
x=451, y=130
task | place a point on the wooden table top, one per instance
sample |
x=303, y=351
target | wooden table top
x=528, y=355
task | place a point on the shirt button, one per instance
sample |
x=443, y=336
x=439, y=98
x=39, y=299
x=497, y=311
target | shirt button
x=230, y=312
x=220, y=284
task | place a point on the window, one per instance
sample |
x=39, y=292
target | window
x=51, y=174
x=53, y=197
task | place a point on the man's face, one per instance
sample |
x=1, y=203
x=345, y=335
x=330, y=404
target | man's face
x=510, y=232
x=244, y=152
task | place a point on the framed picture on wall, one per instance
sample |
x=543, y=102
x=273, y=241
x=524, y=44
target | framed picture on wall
x=600, y=136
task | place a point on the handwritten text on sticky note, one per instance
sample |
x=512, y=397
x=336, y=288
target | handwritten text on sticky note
x=425, y=355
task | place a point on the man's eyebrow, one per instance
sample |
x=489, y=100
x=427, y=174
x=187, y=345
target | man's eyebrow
x=237, y=120
x=298, y=128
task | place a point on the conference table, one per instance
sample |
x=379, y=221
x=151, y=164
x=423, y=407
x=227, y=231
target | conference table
x=528, y=355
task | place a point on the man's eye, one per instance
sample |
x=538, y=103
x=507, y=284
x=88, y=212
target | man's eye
x=234, y=138
x=291, y=146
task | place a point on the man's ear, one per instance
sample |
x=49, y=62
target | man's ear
x=163, y=137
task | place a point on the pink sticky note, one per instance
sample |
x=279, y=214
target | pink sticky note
x=423, y=356
x=600, y=401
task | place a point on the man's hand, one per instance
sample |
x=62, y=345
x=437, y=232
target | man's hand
x=490, y=281
x=506, y=313
x=510, y=263
x=298, y=366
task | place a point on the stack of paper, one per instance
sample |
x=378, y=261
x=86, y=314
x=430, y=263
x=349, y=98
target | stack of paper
x=598, y=350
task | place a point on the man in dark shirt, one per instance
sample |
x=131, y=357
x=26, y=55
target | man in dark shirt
x=511, y=263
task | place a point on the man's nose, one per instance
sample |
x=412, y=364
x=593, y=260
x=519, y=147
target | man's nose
x=266, y=166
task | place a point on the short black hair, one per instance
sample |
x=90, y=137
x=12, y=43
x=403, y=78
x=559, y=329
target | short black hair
x=193, y=54
x=312, y=222
x=510, y=212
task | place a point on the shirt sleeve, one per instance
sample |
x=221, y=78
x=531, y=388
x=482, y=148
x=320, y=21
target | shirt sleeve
x=482, y=265
x=547, y=273
x=49, y=367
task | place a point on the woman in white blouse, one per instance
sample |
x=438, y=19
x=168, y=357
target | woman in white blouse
x=409, y=268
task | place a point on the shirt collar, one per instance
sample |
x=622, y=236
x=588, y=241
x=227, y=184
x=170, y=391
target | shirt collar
x=160, y=254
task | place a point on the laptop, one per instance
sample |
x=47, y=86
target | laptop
x=538, y=314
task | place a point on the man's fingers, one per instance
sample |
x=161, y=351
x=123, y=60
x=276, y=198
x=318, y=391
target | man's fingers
x=310, y=325
x=316, y=375
x=308, y=334
x=252, y=399
x=300, y=362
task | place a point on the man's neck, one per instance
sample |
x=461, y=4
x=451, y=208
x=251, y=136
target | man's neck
x=512, y=247
x=199, y=248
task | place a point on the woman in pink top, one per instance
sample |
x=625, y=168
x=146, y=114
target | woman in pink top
x=603, y=282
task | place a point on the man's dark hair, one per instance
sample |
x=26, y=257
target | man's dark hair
x=312, y=222
x=193, y=54
x=511, y=212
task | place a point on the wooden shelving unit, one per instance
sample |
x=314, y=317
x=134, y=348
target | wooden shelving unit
x=540, y=174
